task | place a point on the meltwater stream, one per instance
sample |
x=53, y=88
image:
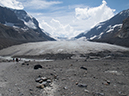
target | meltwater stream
x=23, y=59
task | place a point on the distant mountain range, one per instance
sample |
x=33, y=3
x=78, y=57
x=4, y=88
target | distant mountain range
x=114, y=30
x=17, y=26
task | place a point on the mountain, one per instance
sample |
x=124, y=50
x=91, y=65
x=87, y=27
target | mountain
x=124, y=32
x=17, y=26
x=108, y=31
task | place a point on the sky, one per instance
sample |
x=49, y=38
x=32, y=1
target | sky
x=68, y=18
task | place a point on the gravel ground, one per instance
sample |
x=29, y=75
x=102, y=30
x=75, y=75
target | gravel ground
x=74, y=77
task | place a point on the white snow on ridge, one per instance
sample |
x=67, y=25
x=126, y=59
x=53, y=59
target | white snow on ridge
x=93, y=37
x=25, y=16
x=72, y=47
x=30, y=24
x=99, y=24
x=111, y=28
x=100, y=35
x=99, y=27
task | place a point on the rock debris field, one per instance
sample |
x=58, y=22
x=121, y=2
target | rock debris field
x=102, y=73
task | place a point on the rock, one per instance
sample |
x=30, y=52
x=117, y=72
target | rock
x=9, y=90
x=71, y=64
x=40, y=86
x=55, y=76
x=30, y=89
x=76, y=83
x=37, y=66
x=82, y=85
x=44, y=78
x=122, y=94
x=21, y=94
x=49, y=81
x=45, y=84
x=41, y=81
x=23, y=63
x=114, y=72
x=65, y=88
x=38, y=79
x=87, y=91
x=83, y=68
x=107, y=82
x=99, y=94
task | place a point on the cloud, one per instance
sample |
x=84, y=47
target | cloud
x=65, y=21
x=56, y=29
x=40, y=4
x=14, y=4
x=94, y=15
x=72, y=23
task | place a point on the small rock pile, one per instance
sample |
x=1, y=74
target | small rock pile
x=43, y=82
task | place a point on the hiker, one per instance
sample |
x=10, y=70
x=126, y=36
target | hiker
x=13, y=60
x=17, y=60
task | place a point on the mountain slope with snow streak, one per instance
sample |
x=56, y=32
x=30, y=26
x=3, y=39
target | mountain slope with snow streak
x=107, y=31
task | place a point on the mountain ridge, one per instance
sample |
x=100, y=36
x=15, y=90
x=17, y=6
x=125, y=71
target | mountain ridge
x=104, y=31
x=19, y=27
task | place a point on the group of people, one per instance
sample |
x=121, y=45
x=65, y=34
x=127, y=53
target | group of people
x=17, y=60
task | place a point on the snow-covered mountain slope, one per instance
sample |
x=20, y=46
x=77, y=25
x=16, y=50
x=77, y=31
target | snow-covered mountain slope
x=28, y=20
x=55, y=47
x=107, y=29
x=19, y=19
x=17, y=25
x=118, y=34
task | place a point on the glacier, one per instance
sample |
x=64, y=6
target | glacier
x=55, y=47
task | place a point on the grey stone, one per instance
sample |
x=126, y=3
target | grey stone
x=38, y=79
x=44, y=78
x=82, y=85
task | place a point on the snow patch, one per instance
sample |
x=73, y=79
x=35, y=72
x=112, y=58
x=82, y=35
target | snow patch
x=100, y=35
x=100, y=24
x=82, y=39
x=24, y=29
x=30, y=24
x=93, y=37
x=9, y=24
x=121, y=13
x=111, y=28
x=99, y=27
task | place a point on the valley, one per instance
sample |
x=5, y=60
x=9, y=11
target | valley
x=33, y=63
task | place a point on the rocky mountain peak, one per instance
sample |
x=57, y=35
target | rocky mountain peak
x=8, y=16
x=17, y=26
x=28, y=20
